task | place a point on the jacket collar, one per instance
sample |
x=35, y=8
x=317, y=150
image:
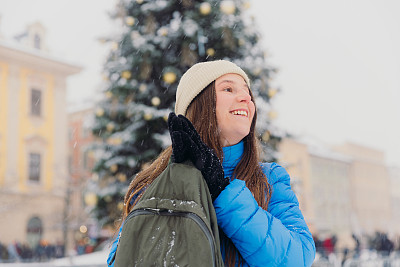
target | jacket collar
x=232, y=156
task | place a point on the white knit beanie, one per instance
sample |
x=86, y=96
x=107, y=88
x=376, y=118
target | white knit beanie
x=195, y=79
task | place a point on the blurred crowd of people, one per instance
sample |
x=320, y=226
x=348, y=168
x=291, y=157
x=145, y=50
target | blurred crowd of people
x=17, y=251
x=379, y=242
x=44, y=251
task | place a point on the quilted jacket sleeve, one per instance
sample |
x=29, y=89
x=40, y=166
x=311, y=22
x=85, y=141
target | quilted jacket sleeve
x=277, y=237
x=113, y=250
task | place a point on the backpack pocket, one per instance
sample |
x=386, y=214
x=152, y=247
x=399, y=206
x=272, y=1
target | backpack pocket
x=166, y=237
x=193, y=235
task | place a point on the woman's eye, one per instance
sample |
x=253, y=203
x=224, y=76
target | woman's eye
x=228, y=89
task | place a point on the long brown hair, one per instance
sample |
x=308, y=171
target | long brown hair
x=201, y=112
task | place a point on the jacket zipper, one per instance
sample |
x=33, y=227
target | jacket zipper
x=196, y=218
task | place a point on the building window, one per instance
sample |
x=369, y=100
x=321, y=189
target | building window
x=70, y=164
x=34, y=231
x=37, y=41
x=34, y=167
x=85, y=131
x=36, y=102
x=71, y=132
x=86, y=159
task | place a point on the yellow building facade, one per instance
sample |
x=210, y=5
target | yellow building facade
x=33, y=140
x=343, y=190
x=394, y=174
x=321, y=180
x=371, y=192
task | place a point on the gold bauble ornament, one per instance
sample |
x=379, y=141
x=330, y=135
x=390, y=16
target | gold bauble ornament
x=121, y=177
x=114, y=168
x=155, y=101
x=139, y=1
x=165, y=117
x=99, y=112
x=241, y=42
x=205, y=8
x=246, y=5
x=227, y=7
x=265, y=136
x=272, y=92
x=114, y=141
x=163, y=31
x=109, y=94
x=126, y=74
x=142, y=88
x=120, y=206
x=83, y=229
x=114, y=46
x=257, y=71
x=110, y=126
x=210, y=52
x=147, y=116
x=130, y=20
x=272, y=114
x=91, y=199
x=107, y=198
x=169, y=77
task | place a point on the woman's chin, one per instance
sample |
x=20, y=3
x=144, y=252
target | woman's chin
x=232, y=141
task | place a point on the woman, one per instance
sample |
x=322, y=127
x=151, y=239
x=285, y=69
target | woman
x=258, y=213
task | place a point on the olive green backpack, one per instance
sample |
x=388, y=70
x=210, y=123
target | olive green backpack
x=173, y=223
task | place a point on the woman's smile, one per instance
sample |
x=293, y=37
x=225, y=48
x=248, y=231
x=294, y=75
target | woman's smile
x=240, y=112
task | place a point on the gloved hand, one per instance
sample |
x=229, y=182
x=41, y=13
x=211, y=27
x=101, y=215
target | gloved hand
x=187, y=144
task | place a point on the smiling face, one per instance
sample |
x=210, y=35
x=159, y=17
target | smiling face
x=234, y=108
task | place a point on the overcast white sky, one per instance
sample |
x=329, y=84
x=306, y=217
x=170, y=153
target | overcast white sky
x=339, y=60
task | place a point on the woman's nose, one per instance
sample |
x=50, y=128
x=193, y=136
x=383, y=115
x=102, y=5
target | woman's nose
x=244, y=96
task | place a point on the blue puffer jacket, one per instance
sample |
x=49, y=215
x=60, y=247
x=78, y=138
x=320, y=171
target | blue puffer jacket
x=277, y=237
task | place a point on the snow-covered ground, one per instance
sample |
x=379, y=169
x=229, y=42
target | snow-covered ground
x=367, y=258
x=98, y=259
x=95, y=259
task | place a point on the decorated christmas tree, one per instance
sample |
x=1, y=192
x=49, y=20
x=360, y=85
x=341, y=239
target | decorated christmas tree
x=157, y=41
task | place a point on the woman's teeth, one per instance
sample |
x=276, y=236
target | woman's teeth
x=239, y=112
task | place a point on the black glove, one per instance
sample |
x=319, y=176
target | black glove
x=187, y=144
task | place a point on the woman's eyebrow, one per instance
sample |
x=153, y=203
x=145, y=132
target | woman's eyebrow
x=226, y=81
x=232, y=82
